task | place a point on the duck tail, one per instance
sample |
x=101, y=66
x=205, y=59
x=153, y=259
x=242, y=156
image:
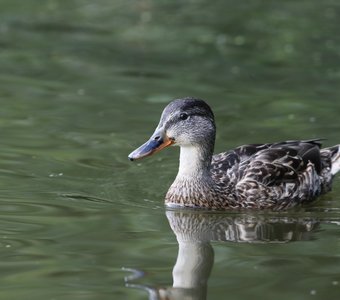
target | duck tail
x=335, y=158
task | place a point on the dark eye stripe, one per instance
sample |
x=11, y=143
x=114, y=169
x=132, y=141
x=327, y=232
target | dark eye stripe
x=172, y=121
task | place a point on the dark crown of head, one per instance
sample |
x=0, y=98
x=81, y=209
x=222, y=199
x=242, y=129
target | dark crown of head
x=193, y=105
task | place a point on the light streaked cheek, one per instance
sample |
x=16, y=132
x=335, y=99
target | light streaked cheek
x=172, y=133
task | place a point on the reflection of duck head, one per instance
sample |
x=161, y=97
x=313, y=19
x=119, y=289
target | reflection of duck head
x=195, y=230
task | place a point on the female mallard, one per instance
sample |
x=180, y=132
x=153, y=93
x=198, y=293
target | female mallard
x=257, y=176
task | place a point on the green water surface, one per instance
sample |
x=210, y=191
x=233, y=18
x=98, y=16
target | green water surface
x=83, y=83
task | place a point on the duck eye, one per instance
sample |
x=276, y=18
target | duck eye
x=183, y=116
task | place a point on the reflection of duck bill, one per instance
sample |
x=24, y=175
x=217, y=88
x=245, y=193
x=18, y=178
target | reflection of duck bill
x=239, y=228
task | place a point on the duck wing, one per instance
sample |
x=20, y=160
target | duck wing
x=270, y=172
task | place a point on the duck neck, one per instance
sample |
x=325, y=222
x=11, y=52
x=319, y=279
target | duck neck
x=194, y=162
x=194, y=185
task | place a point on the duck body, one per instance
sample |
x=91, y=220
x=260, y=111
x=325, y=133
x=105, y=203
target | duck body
x=259, y=176
x=256, y=176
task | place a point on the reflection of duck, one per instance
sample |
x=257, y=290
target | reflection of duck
x=258, y=176
x=249, y=228
x=195, y=230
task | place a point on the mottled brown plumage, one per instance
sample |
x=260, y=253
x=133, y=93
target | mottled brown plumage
x=257, y=176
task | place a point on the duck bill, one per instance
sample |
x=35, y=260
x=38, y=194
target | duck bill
x=155, y=144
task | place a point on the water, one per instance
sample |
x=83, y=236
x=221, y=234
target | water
x=83, y=84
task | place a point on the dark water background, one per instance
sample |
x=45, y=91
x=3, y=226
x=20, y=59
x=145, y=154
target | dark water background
x=82, y=83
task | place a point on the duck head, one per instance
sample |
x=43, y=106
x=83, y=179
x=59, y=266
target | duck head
x=186, y=122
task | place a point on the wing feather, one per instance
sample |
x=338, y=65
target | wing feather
x=272, y=171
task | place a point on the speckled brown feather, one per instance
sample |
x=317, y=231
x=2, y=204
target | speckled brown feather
x=276, y=176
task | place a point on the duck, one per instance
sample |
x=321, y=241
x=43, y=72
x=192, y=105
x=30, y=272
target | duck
x=274, y=176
